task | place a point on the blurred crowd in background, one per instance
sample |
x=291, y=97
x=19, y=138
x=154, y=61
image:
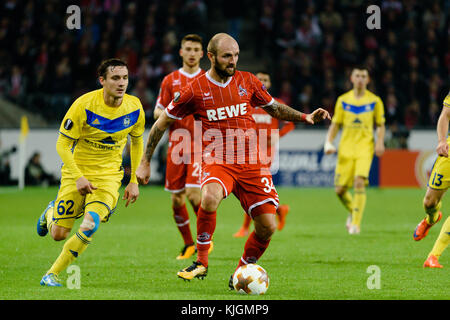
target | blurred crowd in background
x=309, y=48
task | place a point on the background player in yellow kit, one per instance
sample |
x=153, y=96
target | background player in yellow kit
x=356, y=111
x=92, y=136
x=437, y=185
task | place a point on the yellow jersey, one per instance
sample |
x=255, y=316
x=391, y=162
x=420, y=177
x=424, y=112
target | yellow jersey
x=446, y=104
x=357, y=117
x=100, y=133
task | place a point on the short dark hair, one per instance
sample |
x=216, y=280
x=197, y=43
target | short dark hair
x=192, y=37
x=263, y=72
x=113, y=62
x=360, y=67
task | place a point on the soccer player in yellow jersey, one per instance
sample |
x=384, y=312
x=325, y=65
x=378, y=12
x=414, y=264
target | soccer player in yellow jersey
x=356, y=111
x=92, y=136
x=437, y=185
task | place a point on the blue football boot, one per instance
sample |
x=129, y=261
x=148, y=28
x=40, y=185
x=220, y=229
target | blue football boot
x=50, y=280
x=42, y=221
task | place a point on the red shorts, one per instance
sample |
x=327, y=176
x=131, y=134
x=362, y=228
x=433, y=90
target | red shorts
x=181, y=176
x=251, y=185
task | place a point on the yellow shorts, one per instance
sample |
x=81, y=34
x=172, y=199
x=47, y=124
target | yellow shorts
x=71, y=205
x=440, y=174
x=349, y=168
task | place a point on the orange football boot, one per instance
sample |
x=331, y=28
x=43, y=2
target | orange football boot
x=432, y=262
x=282, y=212
x=242, y=233
x=423, y=227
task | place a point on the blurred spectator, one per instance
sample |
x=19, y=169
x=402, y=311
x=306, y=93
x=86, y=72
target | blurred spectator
x=5, y=168
x=43, y=65
x=35, y=175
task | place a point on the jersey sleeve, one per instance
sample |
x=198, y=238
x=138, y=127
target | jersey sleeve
x=183, y=103
x=74, y=120
x=260, y=97
x=139, y=126
x=165, y=95
x=379, y=112
x=338, y=116
x=446, y=102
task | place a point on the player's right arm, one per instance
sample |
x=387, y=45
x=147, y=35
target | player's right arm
x=442, y=130
x=70, y=132
x=155, y=135
x=181, y=106
x=333, y=130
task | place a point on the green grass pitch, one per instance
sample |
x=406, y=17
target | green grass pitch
x=133, y=255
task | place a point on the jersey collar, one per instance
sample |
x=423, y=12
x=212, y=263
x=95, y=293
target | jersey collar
x=190, y=75
x=223, y=85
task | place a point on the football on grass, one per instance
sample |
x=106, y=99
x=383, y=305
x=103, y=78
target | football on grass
x=251, y=279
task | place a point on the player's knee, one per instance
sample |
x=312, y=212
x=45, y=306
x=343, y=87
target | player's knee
x=340, y=191
x=359, y=183
x=177, y=199
x=429, y=202
x=193, y=196
x=265, y=226
x=211, y=198
x=90, y=223
x=59, y=233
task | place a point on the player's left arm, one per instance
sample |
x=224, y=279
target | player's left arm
x=380, y=128
x=131, y=192
x=283, y=112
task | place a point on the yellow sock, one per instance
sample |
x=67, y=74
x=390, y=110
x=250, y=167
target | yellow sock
x=443, y=240
x=359, y=203
x=347, y=201
x=71, y=250
x=433, y=213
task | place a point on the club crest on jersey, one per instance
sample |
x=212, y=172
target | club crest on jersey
x=126, y=121
x=242, y=91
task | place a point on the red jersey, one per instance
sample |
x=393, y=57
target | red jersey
x=225, y=111
x=265, y=121
x=171, y=86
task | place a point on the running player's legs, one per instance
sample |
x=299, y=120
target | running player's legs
x=343, y=180
x=97, y=208
x=437, y=186
x=361, y=179
x=259, y=198
x=193, y=183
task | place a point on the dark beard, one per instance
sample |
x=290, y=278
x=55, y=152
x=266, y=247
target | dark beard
x=223, y=73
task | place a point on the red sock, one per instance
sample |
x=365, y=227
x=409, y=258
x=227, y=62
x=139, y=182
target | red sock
x=181, y=217
x=253, y=250
x=247, y=221
x=206, y=224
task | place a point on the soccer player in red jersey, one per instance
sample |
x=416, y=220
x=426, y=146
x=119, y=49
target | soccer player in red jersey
x=222, y=100
x=266, y=122
x=182, y=179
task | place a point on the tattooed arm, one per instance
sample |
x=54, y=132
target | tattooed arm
x=156, y=133
x=284, y=112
